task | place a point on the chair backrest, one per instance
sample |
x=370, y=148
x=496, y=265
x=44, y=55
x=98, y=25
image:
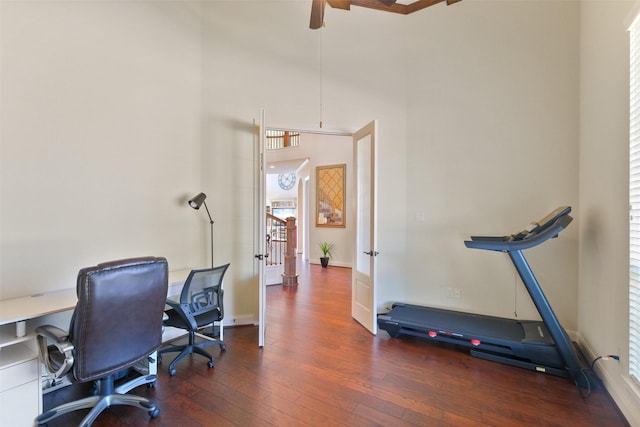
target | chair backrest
x=203, y=289
x=118, y=317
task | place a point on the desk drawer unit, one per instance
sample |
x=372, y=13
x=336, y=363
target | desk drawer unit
x=19, y=386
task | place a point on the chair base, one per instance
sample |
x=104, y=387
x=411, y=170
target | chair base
x=190, y=348
x=109, y=396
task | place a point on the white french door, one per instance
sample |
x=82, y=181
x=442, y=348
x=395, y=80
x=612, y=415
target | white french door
x=363, y=307
x=260, y=243
x=363, y=281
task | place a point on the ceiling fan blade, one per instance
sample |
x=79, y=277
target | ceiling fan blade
x=317, y=14
x=340, y=4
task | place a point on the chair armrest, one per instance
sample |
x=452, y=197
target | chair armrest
x=220, y=304
x=183, y=311
x=53, y=333
x=60, y=339
x=173, y=304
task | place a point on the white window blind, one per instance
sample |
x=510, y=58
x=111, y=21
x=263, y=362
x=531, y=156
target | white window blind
x=634, y=201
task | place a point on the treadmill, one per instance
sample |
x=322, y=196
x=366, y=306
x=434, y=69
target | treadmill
x=542, y=346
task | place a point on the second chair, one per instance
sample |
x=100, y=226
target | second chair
x=201, y=304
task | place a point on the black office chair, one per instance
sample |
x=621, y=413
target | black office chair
x=200, y=305
x=116, y=324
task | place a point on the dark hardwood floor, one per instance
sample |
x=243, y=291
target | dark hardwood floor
x=321, y=368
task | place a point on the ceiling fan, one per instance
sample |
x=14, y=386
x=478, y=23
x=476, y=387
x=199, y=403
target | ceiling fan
x=402, y=7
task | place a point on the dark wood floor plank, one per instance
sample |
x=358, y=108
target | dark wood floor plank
x=319, y=367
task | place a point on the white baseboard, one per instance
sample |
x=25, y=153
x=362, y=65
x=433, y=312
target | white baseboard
x=332, y=262
x=624, y=391
x=239, y=320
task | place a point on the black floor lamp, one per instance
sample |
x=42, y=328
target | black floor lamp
x=195, y=203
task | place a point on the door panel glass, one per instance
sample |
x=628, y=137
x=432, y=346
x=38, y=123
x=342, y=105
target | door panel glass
x=363, y=232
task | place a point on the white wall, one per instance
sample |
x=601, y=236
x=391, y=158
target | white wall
x=480, y=131
x=274, y=192
x=604, y=194
x=490, y=113
x=492, y=145
x=331, y=150
x=100, y=132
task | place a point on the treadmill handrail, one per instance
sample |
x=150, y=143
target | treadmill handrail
x=506, y=244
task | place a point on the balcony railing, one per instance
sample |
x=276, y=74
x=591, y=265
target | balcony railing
x=278, y=139
x=281, y=248
x=276, y=240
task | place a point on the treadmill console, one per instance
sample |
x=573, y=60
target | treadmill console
x=542, y=224
x=536, y=233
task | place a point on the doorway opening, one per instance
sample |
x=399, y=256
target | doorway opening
x=290, y=190
x=353, y=235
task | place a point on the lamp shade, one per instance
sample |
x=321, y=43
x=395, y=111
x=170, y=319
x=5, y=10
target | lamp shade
x=197, y=201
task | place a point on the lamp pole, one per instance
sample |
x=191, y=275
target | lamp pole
x=211, y=225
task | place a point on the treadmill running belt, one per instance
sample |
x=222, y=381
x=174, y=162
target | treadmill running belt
x=466, y=324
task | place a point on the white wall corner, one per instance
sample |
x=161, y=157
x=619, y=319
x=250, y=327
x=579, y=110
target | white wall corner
x=624, y=391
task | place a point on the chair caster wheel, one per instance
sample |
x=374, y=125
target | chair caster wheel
x=211, y=363
x=151, y=385
x=154, y=413
x=223, y=347
x=172, y=372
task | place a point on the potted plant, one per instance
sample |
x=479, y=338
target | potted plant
x=326, y=249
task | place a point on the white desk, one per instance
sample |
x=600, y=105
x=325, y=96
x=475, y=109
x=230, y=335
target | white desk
x=20, y=309
x=24, y=308
x=20, y=386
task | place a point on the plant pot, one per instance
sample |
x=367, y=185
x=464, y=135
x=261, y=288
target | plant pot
x=324, y=261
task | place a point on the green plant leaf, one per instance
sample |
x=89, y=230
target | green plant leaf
x=326, y=248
